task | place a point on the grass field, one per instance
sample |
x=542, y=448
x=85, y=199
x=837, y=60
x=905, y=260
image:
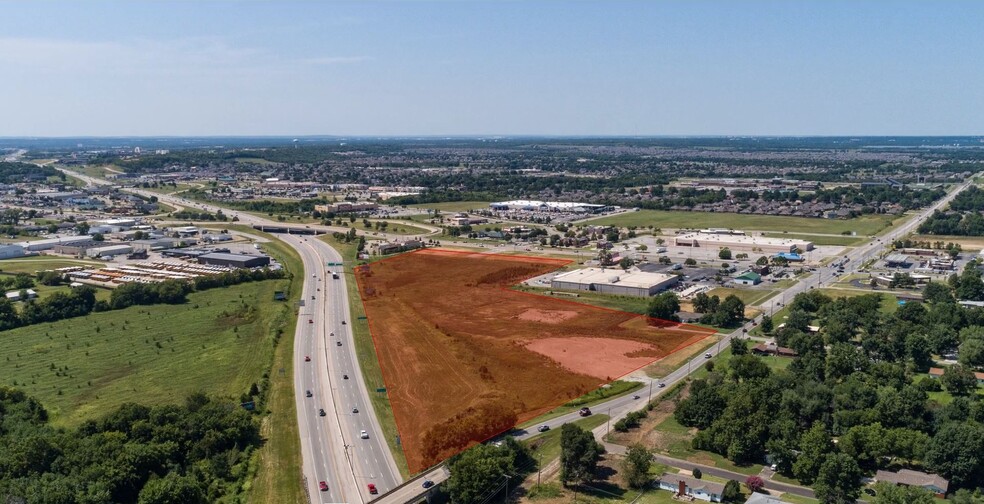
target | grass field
x=750, y=297
x=32, y=265
x=846, y=241
x=866, y=225
x=396, y=227
x=366, y=353
x=631, y=304
x=220, y=341
x=453, y=206
x=546, y=446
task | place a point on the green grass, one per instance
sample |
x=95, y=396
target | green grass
x=395, y=227
x=631, y=304
x=453, y=206
x=797, y=499
x=616, y=389
x=546, y=446
x=84, y=367
x=846, y=241
x=750, y=297
x=366, y=353
x=32, y=265
x=866, y=225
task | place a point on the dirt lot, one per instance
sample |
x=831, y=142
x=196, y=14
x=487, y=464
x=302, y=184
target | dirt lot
x=465, y=358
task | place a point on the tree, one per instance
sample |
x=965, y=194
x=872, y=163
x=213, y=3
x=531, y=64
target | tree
x=635, y=466
x=937, y=292
x=815, y=445
x=690, y=261
x=739, y=346
x=971, y=352
x=766, y=324
x=839, y=480
x=173, y=489
x=889, y=493
x=762, y=261
x=579, y=455
x=754, y=484
x=697, y=473
x=98, y=237
x=664, y=306
x=625, y=263
x=958, y=380
x=955, y=452
x=748, y=367
x=725, y=254
x=475, y=470
x=732, y=492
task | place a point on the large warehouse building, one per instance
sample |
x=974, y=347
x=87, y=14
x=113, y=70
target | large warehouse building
x=614, y=281
x=234, y=260
x=549, y=206
x=742, y=242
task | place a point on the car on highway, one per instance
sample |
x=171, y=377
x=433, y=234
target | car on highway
x=310, y=321
x=345, y=377
x=372, y=489
x=308, y=393
x=331, y=334
x=338, y=343
x=661, y=384
x=321, y=412
x=363, y=434
x=585, y=411
x=427, y=484
x=312, y=298
x=635, y=397
x=343, y=322
x=355, y=410
x=707, y=355
x=543, y=428
x=307, y=358
x=323, y=486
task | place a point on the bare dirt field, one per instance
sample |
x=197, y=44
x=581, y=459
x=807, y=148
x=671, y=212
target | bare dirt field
x=465, y=358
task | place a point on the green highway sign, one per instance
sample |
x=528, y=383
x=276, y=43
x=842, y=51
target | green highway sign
x=381, y=390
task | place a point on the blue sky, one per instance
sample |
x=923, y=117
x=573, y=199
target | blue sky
x=476, y=68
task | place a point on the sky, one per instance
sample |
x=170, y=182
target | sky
x=606, y=68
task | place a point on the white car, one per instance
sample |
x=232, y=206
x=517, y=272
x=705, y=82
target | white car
x=363, y=434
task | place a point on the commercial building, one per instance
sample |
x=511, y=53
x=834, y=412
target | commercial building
x=614, y=281
x=9, y=251
x=748, y=278
x=548, y=206
x=109, y=250
x=234, y=260
x=684, y=487
x=897, y=260
x=48, y=244
x=346, y=207
x=742, y=242
x=14, y=296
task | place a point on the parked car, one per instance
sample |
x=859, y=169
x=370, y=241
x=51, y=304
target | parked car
x=543, y=428
x=585, y=411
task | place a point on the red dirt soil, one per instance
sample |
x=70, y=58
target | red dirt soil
x=465, y=358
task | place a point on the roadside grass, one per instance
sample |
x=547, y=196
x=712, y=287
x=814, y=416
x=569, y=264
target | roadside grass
x=366, y=353
x=615, y=389
x=278, y=467
x=750, y=297
x=32, y=265
x=670, y=363
x=821, y=239
x=94, y=171
x=631, y=304
x=453, y=206
x=865, y=225
x=797, y=499
x=220, y=341
x=396, y=227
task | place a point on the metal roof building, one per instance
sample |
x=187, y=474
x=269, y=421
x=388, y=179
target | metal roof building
x=234, y=260
x=614, y=281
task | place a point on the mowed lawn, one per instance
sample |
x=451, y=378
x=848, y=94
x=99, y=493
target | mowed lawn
x=866, y=225
x=32, y=265
x=220, y=342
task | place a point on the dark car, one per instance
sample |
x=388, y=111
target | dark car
x=543, y=428
x=307, y=358
x=323, y=486
x=585, y=411
x=338, y=343
x=345, y=377
x=321, y=412
x=310, y=321
x=343, y=322
x=308, y=393
x=427, y=484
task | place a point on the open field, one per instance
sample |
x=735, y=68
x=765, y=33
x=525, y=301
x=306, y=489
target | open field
x=750, y=297
x=846, y=241
x=453, y=206
x=32, y=265
x=446, y=325
x=365, y=351
x=866, y=225
x=220, y=341
x=395, y=227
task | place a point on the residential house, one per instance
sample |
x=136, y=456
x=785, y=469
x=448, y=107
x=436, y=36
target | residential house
x=932, y=482
x=688, y=486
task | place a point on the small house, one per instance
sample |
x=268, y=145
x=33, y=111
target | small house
x=748, y=278
x=687, y=486
x=932, y=482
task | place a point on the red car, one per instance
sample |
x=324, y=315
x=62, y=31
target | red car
x=372, y=489
x=307, y=358
x=323, y=486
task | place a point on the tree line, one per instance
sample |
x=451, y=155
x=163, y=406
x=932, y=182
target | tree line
x=193, y=453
